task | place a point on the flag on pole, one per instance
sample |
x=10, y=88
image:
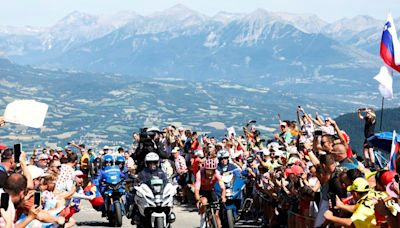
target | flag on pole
x=393, y=152
x=384, y=77
x=390, y=45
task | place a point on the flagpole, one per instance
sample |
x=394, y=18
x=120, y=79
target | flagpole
x=380, y=125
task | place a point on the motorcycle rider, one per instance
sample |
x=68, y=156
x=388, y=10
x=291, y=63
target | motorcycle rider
x=120, y=162
x=108, y=170
x=151, y=170
x=152, y=162
x=224, y=165
x=148, y=142
x=204, y=192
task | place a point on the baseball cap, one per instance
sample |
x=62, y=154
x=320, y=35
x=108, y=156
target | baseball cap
x=36, y=172
x=278, y=153
x=106, y=148
x=2, y=147
x=56, y=156
x=155, y=129
x=295, y=169
x=58, y=149
x=7, y=153
x=387, y=177
x=266, y=152
x=359, y=185
x=43, y=157
x=175, y=150
x=78, y=173
x=199, y=153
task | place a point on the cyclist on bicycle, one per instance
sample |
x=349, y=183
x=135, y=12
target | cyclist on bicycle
x=204, y=193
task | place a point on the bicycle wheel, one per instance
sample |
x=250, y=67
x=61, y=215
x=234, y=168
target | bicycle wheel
x=213, y=222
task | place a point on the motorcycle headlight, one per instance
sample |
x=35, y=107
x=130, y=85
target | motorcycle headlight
x=158, y=199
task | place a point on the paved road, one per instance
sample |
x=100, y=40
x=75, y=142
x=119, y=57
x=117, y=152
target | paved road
x=186, y=217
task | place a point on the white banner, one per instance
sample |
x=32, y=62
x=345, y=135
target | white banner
x=26, y=112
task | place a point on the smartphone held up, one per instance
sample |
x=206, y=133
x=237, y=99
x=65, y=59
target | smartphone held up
x=17, y=152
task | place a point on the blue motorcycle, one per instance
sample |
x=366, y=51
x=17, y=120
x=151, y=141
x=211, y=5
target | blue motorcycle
x=234, y=185
x=114, y=189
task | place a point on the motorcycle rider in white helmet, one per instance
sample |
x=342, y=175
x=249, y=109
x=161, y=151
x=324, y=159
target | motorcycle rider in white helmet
x=152, y=169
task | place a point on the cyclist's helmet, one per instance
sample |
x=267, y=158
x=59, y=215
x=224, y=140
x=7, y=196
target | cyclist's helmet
x=151, y=157
x=108, y=160
x=120, y=160
x=211, y=163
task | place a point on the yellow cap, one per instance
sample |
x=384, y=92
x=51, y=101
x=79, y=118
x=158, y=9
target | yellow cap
x=370, y=174
x=359, y=185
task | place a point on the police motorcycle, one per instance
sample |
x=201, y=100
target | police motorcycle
x=234, y=186
x=154, y=196
x=113, y=189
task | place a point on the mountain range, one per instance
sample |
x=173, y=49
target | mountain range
x=180, y=42
x=105, y=76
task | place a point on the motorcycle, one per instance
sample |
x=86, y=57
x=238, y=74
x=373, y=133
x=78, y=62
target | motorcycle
x=234, y=185
x=113, y=202
x=154, y=201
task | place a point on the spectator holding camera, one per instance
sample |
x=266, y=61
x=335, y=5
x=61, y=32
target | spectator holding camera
x=369, y=130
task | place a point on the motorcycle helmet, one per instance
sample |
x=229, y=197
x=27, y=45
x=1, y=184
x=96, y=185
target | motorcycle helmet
x=223, y=154
x=108, y=160
x=211, y=163
x=120, y=160
x=152, y=157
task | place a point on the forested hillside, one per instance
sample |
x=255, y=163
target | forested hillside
x=355, y=127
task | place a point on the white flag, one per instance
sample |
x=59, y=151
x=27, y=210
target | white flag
x=385, y=79
x=26, y=112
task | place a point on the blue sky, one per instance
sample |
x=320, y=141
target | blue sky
x=47, y=12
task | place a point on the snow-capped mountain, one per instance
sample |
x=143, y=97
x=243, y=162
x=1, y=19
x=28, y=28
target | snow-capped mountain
x=226, y=17
x=352, y=25
x=78, y=27
x=180, y=41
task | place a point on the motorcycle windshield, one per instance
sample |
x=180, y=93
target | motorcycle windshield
x=156, y=185
x=112, y=175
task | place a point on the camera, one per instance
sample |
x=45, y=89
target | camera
x=143, y=133
x=318, y=132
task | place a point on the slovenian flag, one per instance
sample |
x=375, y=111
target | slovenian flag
x=390, y=45
x=393, y=152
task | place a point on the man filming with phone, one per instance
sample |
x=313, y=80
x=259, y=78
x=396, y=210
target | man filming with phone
x=7, y=165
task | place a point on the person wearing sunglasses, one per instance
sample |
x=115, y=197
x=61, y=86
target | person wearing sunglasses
x=54, y=167
x=224, y=164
